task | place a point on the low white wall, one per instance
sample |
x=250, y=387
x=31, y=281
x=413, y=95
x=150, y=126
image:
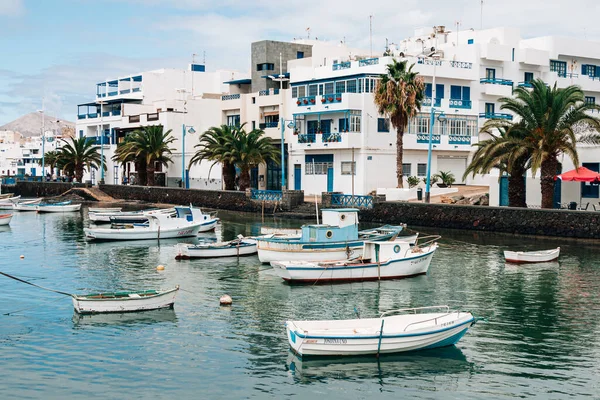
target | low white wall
x=395, y=194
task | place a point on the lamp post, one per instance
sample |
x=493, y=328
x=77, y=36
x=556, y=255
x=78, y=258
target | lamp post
x=281, y=78
x=190, y=129
x=432, y=121
x=43, y=139
x=290, y=125
x=101, y=144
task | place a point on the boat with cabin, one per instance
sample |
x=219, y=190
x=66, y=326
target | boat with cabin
x=337, y=238
x=188, y=221
x=410, y=329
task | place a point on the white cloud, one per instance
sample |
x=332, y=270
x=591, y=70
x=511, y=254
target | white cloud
x=11, y=8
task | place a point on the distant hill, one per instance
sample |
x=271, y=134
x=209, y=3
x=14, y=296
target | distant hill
x=31, y=124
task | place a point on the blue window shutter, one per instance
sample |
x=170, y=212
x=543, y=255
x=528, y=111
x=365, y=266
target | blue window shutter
x=439, y=91
x=455, y=92
x=428, y=90
x=470, y=41
x=466, y=93
x=583, y=69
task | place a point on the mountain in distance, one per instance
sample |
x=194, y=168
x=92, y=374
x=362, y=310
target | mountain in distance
x=31, y=125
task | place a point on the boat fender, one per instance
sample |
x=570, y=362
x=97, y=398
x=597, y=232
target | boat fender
x=160, y=268
x=21, y=256
x=225, y=300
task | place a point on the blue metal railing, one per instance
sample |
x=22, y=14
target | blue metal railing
x=266, y=195
x=331, y=98
x=525, y=84
x=427, y=102
x=82, y=116
x=496, y=81
x=347, y=200
x=265, y=125
x=306, y=101
x=112, y=93
x=496, y=116
x=92, y=115
x=342, y=65
x=307, y=138
x=116, y=112
x=125, y=91
x=230, y=96
x=459, y=139
x=428, y=61
x=458, y=103
x=136, y=89
x=331, y=137
x=424, y=138
x=368, y=61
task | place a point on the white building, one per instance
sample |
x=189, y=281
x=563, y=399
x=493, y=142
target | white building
x=168, y=97
x=21, y=156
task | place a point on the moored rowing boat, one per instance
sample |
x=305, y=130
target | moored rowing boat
x=124, y=301
x=523, y=257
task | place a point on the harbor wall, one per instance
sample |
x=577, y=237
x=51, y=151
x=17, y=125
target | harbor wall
x=560, y=223
x=40, y=189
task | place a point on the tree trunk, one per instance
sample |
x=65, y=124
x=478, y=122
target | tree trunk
x=549, y=168
x=79, y=173
x=228, y=172
x=150, y=168
x=244, y=179
x=140, y=168
x=399, y=156
x=516, y=188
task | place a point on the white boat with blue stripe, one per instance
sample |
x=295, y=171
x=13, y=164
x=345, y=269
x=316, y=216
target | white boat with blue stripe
x=411, y=330
x=337, y=238
x=394, y=259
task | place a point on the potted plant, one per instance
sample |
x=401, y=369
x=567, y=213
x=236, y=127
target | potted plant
x=312, y=101
x=338, y=98
x=298, y=102
x=305, y=101
x=330, y=99
x=412, y=181
x=447, y=179
x=432, y=180
x=323, y=100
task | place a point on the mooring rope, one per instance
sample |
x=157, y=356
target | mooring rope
x=33, y=284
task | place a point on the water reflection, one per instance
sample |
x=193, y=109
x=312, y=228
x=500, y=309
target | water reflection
x=135, y=318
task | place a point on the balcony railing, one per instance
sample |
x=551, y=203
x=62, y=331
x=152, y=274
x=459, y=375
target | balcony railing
x=496, y=81
x=331, y=98
x=427, y=102
x=428, y=61
x=332, y=138
x=459, y=139
x=306, y=101
x=342, y=65
x=458, y=103
x=496, y=116
x=230, y=97
x=307, y=138
x=461, y=64
x=424, y=138
x=266, y=195
x=368, y=61
x=265, y=125
x=125, y=91
x=136, y=89
x=98, y=140
x=348, y=200
x=82, y=116
x=113, y=93
x=268, y=92
x=525, y=84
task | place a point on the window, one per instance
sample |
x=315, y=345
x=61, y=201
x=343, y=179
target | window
x=294, y=92
x=559, y=67
x=301, y=91
x=152, y=117
x=343, y=125
x=328, y=88
x=312, y=90
x=588, y=190
x=134, y=119
x=299, y=54
x=528, y=77
x=318, y=164
x=589, y=70
x=355, y=123
x=340, y=87
x=351, y=86
x=490, y=109
x=321, y=90
x=312, y=127
x=406, y=169
x=325, y=126
x=80, y=134
x=233, y=120
x=254, y=100
x=490, y=73
x=253, y=125
x=439, y=91
x=470, y=41
x=265, y=67
x=590, y=100
x=348, y=168
x=421, y=169
x=455, y=92
x=383, y=124
x=458, y=127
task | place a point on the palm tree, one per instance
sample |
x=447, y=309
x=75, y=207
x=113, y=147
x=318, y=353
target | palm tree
x=79, y=154
x=127, y=152
x=398, y=95
x=50, y=160
x=251, y=149
x=151, y=144
x=507, y=152
x=215, y=145
x=551, y=120
x=446, y=177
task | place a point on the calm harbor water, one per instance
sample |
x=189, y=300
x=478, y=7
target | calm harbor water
x=541, y=339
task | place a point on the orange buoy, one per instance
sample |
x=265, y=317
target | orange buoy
x=225, y=300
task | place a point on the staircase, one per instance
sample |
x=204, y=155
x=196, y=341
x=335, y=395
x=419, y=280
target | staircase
x=92, y=194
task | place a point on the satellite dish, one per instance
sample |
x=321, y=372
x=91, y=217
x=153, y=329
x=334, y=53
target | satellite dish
x=433, y=49
x=402, y=54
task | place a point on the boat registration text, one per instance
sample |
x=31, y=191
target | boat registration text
x=336, y=341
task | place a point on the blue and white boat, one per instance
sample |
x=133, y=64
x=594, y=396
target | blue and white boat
x=337, y=238
x=61, y=207
x=410, y=331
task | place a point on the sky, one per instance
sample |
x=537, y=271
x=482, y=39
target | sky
x=59, y=49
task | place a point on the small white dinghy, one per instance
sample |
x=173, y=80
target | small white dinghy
x=522, y=257
x=126, y=217
x=104, y=210
x=234, y=248
x=380, y=260
x=26, y=205
x=62, y=207
x=119, y=302
x=5, y=219
x=387, y=334
x=6, y=203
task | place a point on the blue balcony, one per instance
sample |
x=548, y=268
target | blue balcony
x=458, y=103
x=331, y=138
x=368, y=61
x=266, y=195
x=271, y=124
x=113, y=93
x=496, y=116
x=331, y=98
x=459, y=139
x=92, y=115
x=424, y=138
x=116, y=112
x=81, y=116
x=496, y=81
x=342, y=65
x=230, y=96
x=98, y=140
x=136, y=89
x=306, y=101
x=125, y=91
x=525, y=84
x=106, y=113
x=307, y=138
x=427, y=102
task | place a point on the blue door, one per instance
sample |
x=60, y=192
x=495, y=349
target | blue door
x=33, y=172
x=330, y=179
x=557, y=192
x=297, y=177
x=503, y=191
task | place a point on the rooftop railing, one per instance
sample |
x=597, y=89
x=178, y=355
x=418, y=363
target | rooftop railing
x=230, y=96
x=342, y=65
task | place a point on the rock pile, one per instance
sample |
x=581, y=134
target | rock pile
x=477, y=200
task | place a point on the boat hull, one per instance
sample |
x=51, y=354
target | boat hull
x=140, y=233
x=211, y=251
x=5, y=219
x=209, y=225
x=92, y=306
x=355, y=343
x=327, y=273
x=273, y=251
x=58, y=208
x=522, y=257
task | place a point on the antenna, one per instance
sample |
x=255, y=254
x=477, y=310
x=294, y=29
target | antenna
x=193, y=62
x=204, y=58
x=481, y=15
x=371, y=33
x=457, y=28
x=308, y=32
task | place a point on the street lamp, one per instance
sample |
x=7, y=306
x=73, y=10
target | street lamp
x=185, y=178
x=441, y=118
x=43, y=138
x=290, y=125
x=101, y=132
x=281, y=78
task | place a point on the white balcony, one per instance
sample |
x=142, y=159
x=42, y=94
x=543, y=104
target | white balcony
x=534, y=57
x=496, y=87
x=496, y=52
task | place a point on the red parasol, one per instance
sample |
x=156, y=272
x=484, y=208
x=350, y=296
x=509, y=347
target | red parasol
x=581, y=174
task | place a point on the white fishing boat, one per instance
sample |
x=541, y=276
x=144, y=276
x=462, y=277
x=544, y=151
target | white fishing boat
x=7, y=203
x=387, y=334
x=380, y=260
x=119, y=302
x=522, y=257
x=188, y=221
x=25, y=206
x=6, y=196
x=337, y=238
x=61, y=207
x=234, y=248
x=5, y=219
x=104, y=209
x=126, y=217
